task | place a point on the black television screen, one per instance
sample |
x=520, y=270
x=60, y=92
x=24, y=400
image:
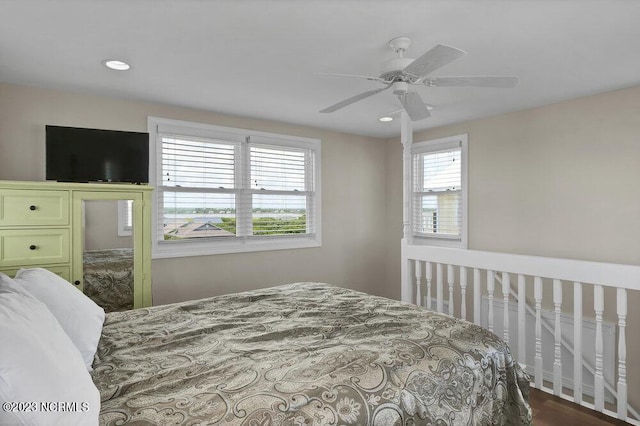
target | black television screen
x=91, y=155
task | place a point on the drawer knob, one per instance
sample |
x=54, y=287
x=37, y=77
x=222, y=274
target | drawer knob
x=32, y=247
x=76, y=282
x=32, y=208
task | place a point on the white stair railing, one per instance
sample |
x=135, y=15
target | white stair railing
x=579, y=361
x=498, y=267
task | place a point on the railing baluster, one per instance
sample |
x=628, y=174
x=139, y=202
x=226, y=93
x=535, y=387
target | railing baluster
x=491, y=286
x=450, y=280
x=598, y=305
x=418, y=282
x=506, y=288
x=522, y=320
x=429, y=277
x=537, y=295
x=557, y=359
x=477, y=297
x=463, y=292
x=577, y=342
x=440, y=279
x=622, y=354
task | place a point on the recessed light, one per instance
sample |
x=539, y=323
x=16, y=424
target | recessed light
x=385, y=119
x=116, y=65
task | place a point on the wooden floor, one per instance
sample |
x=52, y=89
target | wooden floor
x=552, y=410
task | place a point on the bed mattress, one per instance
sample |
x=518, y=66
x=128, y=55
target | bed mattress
x=305, y=353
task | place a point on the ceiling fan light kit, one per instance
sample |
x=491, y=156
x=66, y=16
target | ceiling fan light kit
x=401, y=73
x=400, y=88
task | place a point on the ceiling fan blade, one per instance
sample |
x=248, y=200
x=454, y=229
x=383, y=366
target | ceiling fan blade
x=366, y=77
x=353, y=99
x=474, y=80
x=414, y=106
x=397, y=112
x=432, y=60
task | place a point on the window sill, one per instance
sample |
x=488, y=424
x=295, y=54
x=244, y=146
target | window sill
x=202, y=248
x=439, y=241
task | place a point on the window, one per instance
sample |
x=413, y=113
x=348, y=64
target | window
x=224, y=190
x=439, y=188
x=125, y=218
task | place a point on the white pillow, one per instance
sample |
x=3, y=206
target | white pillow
x=7, y=284
x=43, y=379
x=78, y=315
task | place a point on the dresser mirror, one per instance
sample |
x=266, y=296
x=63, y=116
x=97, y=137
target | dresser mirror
x=108, y=253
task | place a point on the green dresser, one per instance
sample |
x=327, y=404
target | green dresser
x=41, y=225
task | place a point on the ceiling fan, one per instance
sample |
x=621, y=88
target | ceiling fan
x=400, y=73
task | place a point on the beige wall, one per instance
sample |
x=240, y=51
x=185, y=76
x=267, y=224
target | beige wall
x=561, y=180
x=353, y=196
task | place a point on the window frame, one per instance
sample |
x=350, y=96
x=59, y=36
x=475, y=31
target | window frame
x=211, y=246
x=435, y=145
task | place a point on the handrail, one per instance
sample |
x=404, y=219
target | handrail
x=604, y=274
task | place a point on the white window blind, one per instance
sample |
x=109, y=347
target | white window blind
x=439, y=190
x=281, y=190
x=233, y=189
x=197, y=189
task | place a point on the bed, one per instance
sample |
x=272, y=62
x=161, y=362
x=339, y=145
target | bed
x=108, y=278
x=304, y=353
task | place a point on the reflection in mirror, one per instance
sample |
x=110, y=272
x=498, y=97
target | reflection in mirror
x=108, y=253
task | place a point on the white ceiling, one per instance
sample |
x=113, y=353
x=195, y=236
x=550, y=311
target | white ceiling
x=259, y=58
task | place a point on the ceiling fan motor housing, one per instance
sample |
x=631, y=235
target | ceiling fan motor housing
x=392, y=69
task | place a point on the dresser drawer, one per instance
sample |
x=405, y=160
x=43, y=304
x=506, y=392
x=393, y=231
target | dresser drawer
x=34, y=247
x=32, y=208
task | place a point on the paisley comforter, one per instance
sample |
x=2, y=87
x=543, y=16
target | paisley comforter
x=108, y=278
x=304, y=354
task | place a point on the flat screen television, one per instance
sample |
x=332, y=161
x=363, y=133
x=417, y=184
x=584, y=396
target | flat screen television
x=91, y=155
